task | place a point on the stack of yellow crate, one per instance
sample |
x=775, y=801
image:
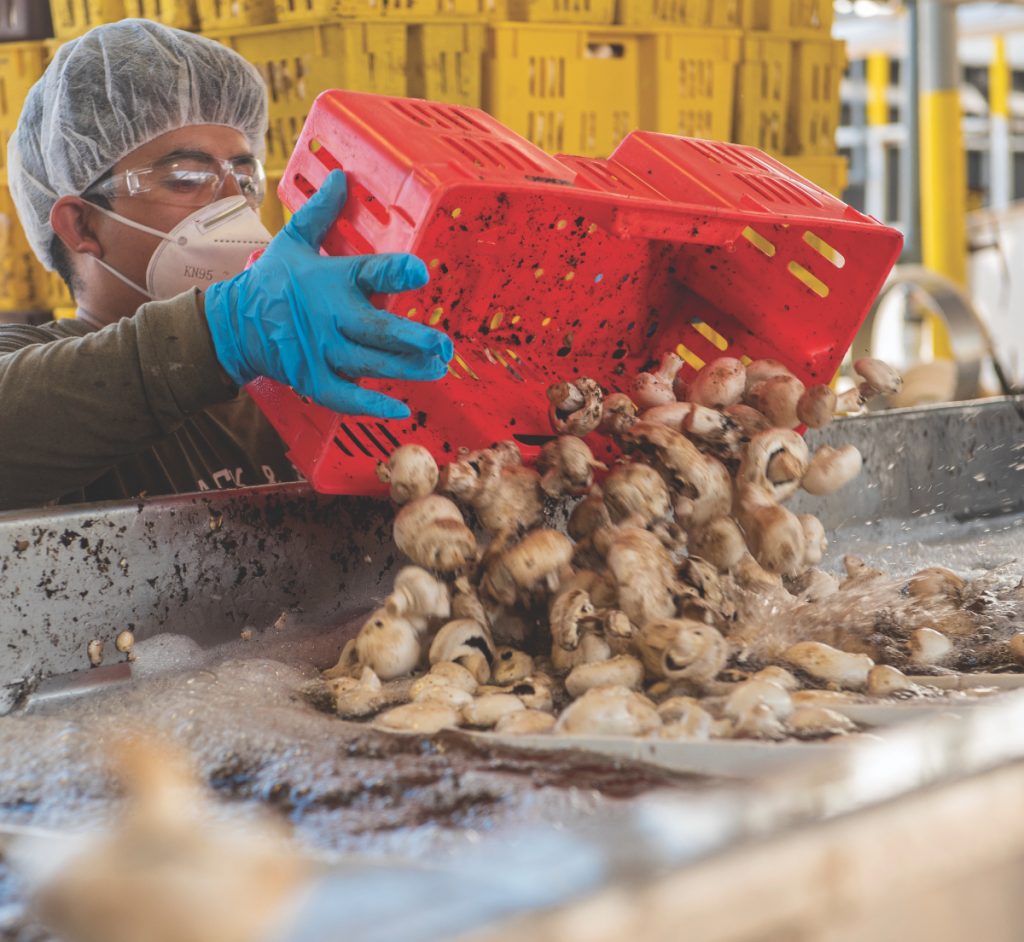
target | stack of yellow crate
x=787, y=91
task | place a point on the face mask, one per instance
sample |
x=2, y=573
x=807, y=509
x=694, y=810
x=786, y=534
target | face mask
x=212, y=244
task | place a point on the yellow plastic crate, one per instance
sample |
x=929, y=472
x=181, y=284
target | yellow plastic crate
x=181, y=14
x=567, y=89
x=789, y=17
x=694, y=81
x=562, y=11
x=818, y=67
x=726, y=14
x=763, y=92
x=446, y=62
x=830, y=173
x=71, y=18
x=302, y=10
x=663, y=12
x=299, y=61
x=21, y=65
x=273, y=212
x=18, y=266
x=230, y=14
x=53, y=294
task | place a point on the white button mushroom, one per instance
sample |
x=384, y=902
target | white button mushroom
x=937, y=583
x=808, y=722
x=359, y=697
x=485, y=711
x=832, y=468
x=816, y=406
x=529, y=568
x=745, y=696
x=525, y=723
x=618, y=415
x=609, y=711
x=670, y=414
x=591, y=649
x=774, y=534
x=431, y=532
x=94, y=649
x=125, y=643
x=679, y=649
x=575, y=408
x=636, y=490
x=880, y=379
x=388, y=644
x=620, y=671
x=644, y=574
x=426, y=717
x=466, y=642
x=719, y=541
x=436, y=688
x=774, y=461
x=760, y=371
x=1016, y=646
x=719, y=384
x=455, y=674
x=815, y=540
x=418, y=596
x=656, y=388
x=830, y=665
x=777, y=675
x=411, y=471
x=684, y=720
x=884, y=681
x=777, y=400
x=567, y=467
x=510, y=665
x=930, y=648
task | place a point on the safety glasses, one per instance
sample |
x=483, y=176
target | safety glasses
x=190, y=179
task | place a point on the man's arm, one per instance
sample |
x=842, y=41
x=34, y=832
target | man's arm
x=72, y=408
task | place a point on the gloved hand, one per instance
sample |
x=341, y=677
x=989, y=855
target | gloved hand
x=302, y=318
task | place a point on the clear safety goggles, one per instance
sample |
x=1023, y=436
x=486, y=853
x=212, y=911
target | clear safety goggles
x=192, y=180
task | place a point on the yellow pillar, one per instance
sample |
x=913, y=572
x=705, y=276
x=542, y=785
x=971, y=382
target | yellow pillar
x=999, y=79
x=1000, y=148
x=878, y=89
x=943, y=162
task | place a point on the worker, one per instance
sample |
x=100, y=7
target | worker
x=136, y=171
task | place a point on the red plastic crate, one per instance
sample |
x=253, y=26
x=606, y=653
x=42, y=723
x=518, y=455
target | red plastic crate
x=544, y=268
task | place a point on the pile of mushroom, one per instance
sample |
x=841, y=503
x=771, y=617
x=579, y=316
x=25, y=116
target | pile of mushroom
x=648, y=617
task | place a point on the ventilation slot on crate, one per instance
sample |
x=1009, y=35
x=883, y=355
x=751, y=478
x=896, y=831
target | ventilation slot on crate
x=447, y=118
x=779, y=190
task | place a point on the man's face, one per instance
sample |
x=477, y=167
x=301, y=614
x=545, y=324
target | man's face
x=129, y=250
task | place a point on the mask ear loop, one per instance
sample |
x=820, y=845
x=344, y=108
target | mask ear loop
x=124, y=278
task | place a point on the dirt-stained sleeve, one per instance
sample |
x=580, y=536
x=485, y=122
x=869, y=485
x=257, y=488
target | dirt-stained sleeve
x=72, y=408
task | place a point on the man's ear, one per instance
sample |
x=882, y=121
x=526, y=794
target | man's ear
x=72, y=220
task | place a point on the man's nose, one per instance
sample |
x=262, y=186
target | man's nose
x=230, y=187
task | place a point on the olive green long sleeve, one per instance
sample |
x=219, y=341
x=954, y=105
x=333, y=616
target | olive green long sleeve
x=126, y=401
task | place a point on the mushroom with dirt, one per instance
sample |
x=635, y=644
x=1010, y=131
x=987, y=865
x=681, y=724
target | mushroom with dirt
x=609, y=711
x=656, y=388
x=721, y=383
x=432, y=533
x=682, y=651
x=575, y=408
x=465, y=642
x=529, y=569
x=411, y=472
x=567, y=467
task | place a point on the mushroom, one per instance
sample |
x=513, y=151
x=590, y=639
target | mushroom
x=636, y=490
x=831, y=468
x=812, y=722
x=830, y=665
x=466, y=602
x=747, y=695
x=655, y=389
x=348, y=662
x=622, y=671
x=702, y=485
x=773, y=533
x=567, y=467
x=749, y=420
x=436, y=687
x=685, y=721
x=618, y=415
x=484, y=712
x=567, y=610
x=510, y=665
x=465, y=642
x=515, y=502
x=1016, y=646
x=759, y=722
x=719, y=541
x=592, y=648
x=575, y=408
x=425, y=717
x=815, y=541
x=777, y=399
x=880, y=379
x=358, y=697
x=529, y=568
x=525, y=723
x=389, y=644
x=431, y=532
x=419, y=597
x=94, y=649
x=760, y=371
x=936, y=583
x=714, y=430
x=411, y=471
x=929, y=648
x=884, y=681
x=670, y=414
x=775, y=461
x=535, y=691
x=588, y=515
x=452, y=673
x=816, y=406
x=125, y=643
x=753, y=577
x=680, y=649
x=813, y=585
x=643, y=571
x=609, y=711
x=777, y=675
x=721, y=383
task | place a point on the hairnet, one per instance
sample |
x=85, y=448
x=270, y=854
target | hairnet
x=114, y=89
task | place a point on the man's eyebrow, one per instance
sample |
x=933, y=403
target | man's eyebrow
x=187, y=153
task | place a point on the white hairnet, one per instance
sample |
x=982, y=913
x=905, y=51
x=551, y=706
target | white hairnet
x=114, y=89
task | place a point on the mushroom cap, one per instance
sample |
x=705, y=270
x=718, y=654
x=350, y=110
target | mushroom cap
x=751, y=692
x=777, y=398
x=460, y=638
x=486, y=710
x=622, y=670
x=828, y=664
x=636, y=489
x=719, y=384
x=760, y=370
x=389, y=644
x=609, y=711
x=618, y=413
x=881, y=379
x=831, y=469
x=424, y=717
x=816, y=406
x=411, y=471
x=525, y=723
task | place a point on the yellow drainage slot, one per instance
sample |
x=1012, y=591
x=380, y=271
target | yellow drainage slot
x=592, y=228
x=826, y=251
x=412, y=312
x=759, y=241
x=452, y=373
x=516, y=319
x=434, y=262
x=456, y=213
x=436, y=315
x=813, y=282
x=690, y=357
x=561, y=224
x=499, y=316
x=745, y=360
x=538, y=273
x=466, y=367
x=569, y=275
x=545, y=322
x=711, y=335
x=512, y=355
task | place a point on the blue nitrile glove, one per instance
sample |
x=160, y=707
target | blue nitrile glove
x=302, y=318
